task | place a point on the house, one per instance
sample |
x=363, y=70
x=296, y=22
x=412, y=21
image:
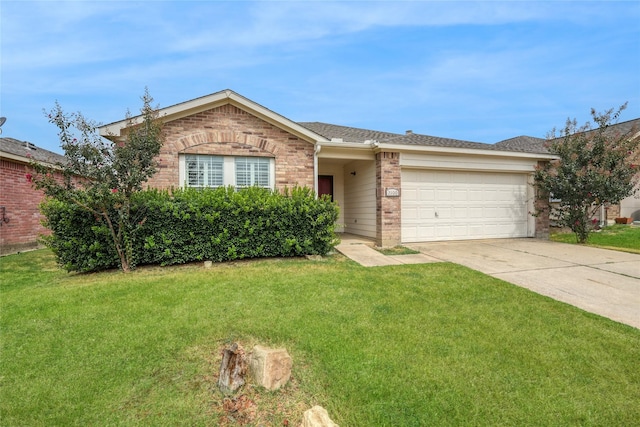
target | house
x=390, y=187
x=20, y=218
x=628, y=207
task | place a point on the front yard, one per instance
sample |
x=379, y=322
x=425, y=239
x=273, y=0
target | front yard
x=411, y=345
x=618, y=237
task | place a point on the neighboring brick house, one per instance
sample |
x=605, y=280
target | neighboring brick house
x=390, y=187
x=20, y=218
x=628, y=207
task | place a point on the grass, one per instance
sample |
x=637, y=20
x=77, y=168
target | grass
x=620, y=237
x=397, y=250
x=411, y=345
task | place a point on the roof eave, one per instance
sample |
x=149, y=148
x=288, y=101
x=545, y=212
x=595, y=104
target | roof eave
x=26, y=160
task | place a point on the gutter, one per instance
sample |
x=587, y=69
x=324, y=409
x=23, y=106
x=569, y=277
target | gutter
x=456, y=150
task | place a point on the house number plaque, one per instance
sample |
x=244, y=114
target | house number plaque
x=392, y=192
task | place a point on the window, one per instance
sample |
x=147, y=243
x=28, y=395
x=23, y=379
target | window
x=204, y=171
x=252, y=171
x=199, y=171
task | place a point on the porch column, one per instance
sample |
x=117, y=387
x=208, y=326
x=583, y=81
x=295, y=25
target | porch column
x=388, y=193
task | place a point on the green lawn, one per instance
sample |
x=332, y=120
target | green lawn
x=411, y=345
x=620, y=237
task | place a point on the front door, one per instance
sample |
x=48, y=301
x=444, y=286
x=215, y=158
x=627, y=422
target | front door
x=325, y=185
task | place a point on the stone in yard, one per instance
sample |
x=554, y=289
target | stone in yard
x=317, y=417
x=270, y=368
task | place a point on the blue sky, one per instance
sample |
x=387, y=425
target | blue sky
x=477, y=71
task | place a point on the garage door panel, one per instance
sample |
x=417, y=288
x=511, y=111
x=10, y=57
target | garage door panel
x=461, y=213
x=443, y=195
x=460, y=195
x=475, y=195
x=410, y=213
x=443, y=205
x=427, y=214
x=427, y=195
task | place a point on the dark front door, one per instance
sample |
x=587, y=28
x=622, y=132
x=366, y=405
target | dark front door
x=325, y=185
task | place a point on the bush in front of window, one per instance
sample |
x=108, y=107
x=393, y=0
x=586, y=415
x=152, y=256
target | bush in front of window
x=187, y=225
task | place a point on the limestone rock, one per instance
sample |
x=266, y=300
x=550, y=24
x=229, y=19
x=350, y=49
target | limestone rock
x=270, y=368
x=317, y=417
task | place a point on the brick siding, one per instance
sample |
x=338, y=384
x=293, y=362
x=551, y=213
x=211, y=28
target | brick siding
x=231, y=131
x=541, y=205
x=21, y=202
x=388, y=209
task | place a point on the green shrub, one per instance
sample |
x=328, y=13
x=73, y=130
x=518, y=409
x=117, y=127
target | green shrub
x=193, y=225
x=80, y=241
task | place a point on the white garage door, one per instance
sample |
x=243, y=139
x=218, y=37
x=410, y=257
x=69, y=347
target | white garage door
x=442, y=205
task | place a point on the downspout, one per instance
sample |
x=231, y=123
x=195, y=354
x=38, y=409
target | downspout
x=315, y=167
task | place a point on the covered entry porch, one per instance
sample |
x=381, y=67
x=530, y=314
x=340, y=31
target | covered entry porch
x=358, y=180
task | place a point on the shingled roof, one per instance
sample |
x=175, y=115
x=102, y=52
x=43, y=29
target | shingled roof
x=526, y=144
x=350, y=134
x=347, y=134
x=28, y=150
x=522, y=144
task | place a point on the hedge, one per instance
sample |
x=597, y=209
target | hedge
x=188, y=225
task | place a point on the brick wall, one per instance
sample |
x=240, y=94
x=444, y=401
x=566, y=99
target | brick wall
x=613, y=212
x=21, y=202
x=228, y=130
x=388, y=209
x=541, y=203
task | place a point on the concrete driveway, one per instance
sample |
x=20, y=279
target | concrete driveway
x=600, y=281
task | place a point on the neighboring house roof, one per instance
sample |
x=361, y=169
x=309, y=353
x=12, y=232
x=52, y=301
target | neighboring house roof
x=22, y=150
x=528, y=144
x=532, y=144
x=627, y=126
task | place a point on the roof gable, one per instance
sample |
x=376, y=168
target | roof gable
x=214, y=100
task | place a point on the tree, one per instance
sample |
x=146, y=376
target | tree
x=595, y=167
x=99, y=175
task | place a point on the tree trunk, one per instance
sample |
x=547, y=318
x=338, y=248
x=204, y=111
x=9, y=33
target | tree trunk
x=232, y=369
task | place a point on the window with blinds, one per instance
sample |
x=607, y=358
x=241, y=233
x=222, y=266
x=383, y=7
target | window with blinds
x=252, y=171
x=204, y=171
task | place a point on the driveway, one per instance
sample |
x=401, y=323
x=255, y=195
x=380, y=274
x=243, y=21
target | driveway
x=600, y=281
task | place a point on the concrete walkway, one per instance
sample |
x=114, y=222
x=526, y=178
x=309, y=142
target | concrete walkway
x=599, y=281
x=361, y=250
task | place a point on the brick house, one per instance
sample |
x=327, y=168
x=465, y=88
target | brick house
x=20, y=218
x=628, y=207
x=390, y=187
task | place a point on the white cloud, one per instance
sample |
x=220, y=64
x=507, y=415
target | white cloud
x=374, y=64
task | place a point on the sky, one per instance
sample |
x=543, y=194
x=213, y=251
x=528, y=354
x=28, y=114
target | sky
x=476, y=71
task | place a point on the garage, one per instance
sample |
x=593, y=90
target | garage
x=460, y=205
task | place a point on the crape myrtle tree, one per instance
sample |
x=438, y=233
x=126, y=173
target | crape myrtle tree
x=597, y=166
x=99, y=175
